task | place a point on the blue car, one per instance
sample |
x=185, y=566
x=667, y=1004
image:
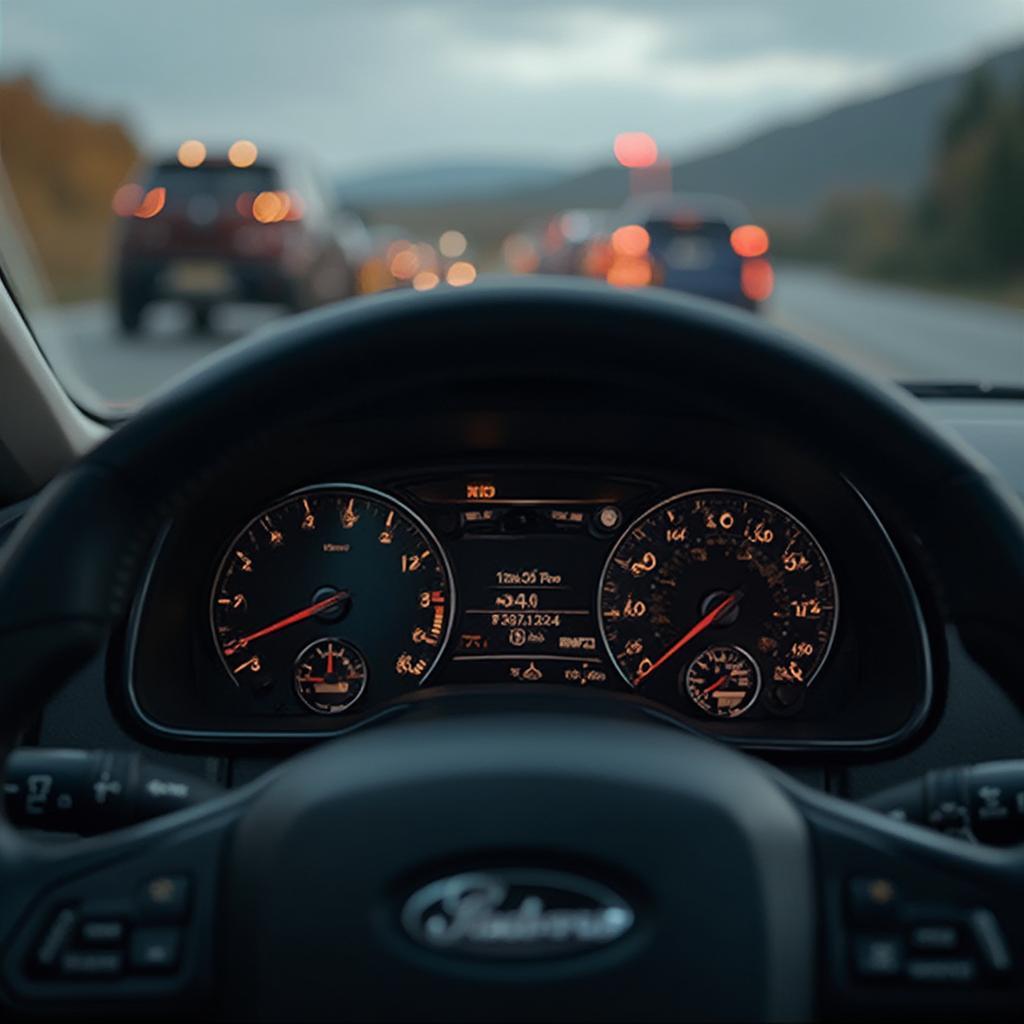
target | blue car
x=701, y=244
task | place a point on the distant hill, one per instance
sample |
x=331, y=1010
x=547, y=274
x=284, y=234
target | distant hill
x=885, y=142
x=444, y=183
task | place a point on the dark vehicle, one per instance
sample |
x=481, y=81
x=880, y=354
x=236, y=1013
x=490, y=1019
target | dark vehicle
x=215, y=233
x=701, y=244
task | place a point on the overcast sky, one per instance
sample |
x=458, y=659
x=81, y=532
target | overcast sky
x=389, y=82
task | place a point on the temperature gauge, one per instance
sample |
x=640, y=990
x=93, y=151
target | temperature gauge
x=330, y=676
x=723, y=681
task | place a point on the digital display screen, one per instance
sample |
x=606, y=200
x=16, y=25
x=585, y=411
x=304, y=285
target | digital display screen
x=527, y=611
x=527, y=551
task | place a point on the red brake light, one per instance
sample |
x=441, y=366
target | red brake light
x=635, y=149
x=749, y=241
x=631, y=240
x=126, y=199
x=152, y=203
x=757, y=279
x=272, y=207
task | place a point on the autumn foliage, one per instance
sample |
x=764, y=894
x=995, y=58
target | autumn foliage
x=63, y=169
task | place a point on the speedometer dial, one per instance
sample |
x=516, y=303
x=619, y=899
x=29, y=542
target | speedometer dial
x=718, y=568
x=332, y=591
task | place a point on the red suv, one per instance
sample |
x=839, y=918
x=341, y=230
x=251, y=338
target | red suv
x=215, y=232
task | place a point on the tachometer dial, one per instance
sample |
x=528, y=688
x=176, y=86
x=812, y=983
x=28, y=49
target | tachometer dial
x=336, y=565
x=714, y=568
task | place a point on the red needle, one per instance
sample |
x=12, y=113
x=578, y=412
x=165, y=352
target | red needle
x=724, y=605
x=313, y=609
x=716, y=684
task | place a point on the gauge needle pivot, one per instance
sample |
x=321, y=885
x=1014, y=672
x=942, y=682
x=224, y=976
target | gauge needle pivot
x=712, y=617
x=288, y=620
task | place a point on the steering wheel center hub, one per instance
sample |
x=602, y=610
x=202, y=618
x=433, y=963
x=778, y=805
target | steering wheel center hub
x=411, y=853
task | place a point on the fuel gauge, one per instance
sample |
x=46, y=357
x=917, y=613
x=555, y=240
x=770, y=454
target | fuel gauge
x=330, y=676
x=723, y=681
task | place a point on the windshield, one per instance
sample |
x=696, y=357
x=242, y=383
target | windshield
x=175, y=175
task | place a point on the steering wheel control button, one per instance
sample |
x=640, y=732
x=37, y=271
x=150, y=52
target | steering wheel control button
x=943, y=971
x=164, y=898
x=878, y=956
x=990, y=940
x=935, y=938
x=56, y=937
x=102, y=932
x=873, y=899
x=91, y=964
x=155, y=949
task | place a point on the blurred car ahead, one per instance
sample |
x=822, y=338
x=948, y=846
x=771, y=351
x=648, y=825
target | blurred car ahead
x=210, y=232
x=567, y=238
x=399, y=261
x=356, y=242
x=385, y=242
x=700, y=244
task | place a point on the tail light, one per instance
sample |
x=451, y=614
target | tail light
x=749, y=241
x=757, y=279
x=630, y=272
x=270, y=207
x=631, y=241
x=131, y=201
x=597, y=258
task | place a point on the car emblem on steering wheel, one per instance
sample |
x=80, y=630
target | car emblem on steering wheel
x=514, y=913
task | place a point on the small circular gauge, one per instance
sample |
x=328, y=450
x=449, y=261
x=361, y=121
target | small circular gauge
x=723, y=681
x=330, y=676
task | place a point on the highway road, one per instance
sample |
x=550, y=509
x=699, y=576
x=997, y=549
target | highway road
x=108, y=368
x=901, y=333
x=897, y=332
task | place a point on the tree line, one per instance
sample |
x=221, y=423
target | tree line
x=964, y=230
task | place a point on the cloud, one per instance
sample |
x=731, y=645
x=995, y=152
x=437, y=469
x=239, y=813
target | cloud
x=365, y=83
x=632, y=56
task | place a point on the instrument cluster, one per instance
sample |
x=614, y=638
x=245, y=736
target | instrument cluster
x=697, y=600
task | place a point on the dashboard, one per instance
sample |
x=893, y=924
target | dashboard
x=766, y=607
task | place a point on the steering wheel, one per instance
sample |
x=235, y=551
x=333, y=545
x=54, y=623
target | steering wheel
x=504, y=864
